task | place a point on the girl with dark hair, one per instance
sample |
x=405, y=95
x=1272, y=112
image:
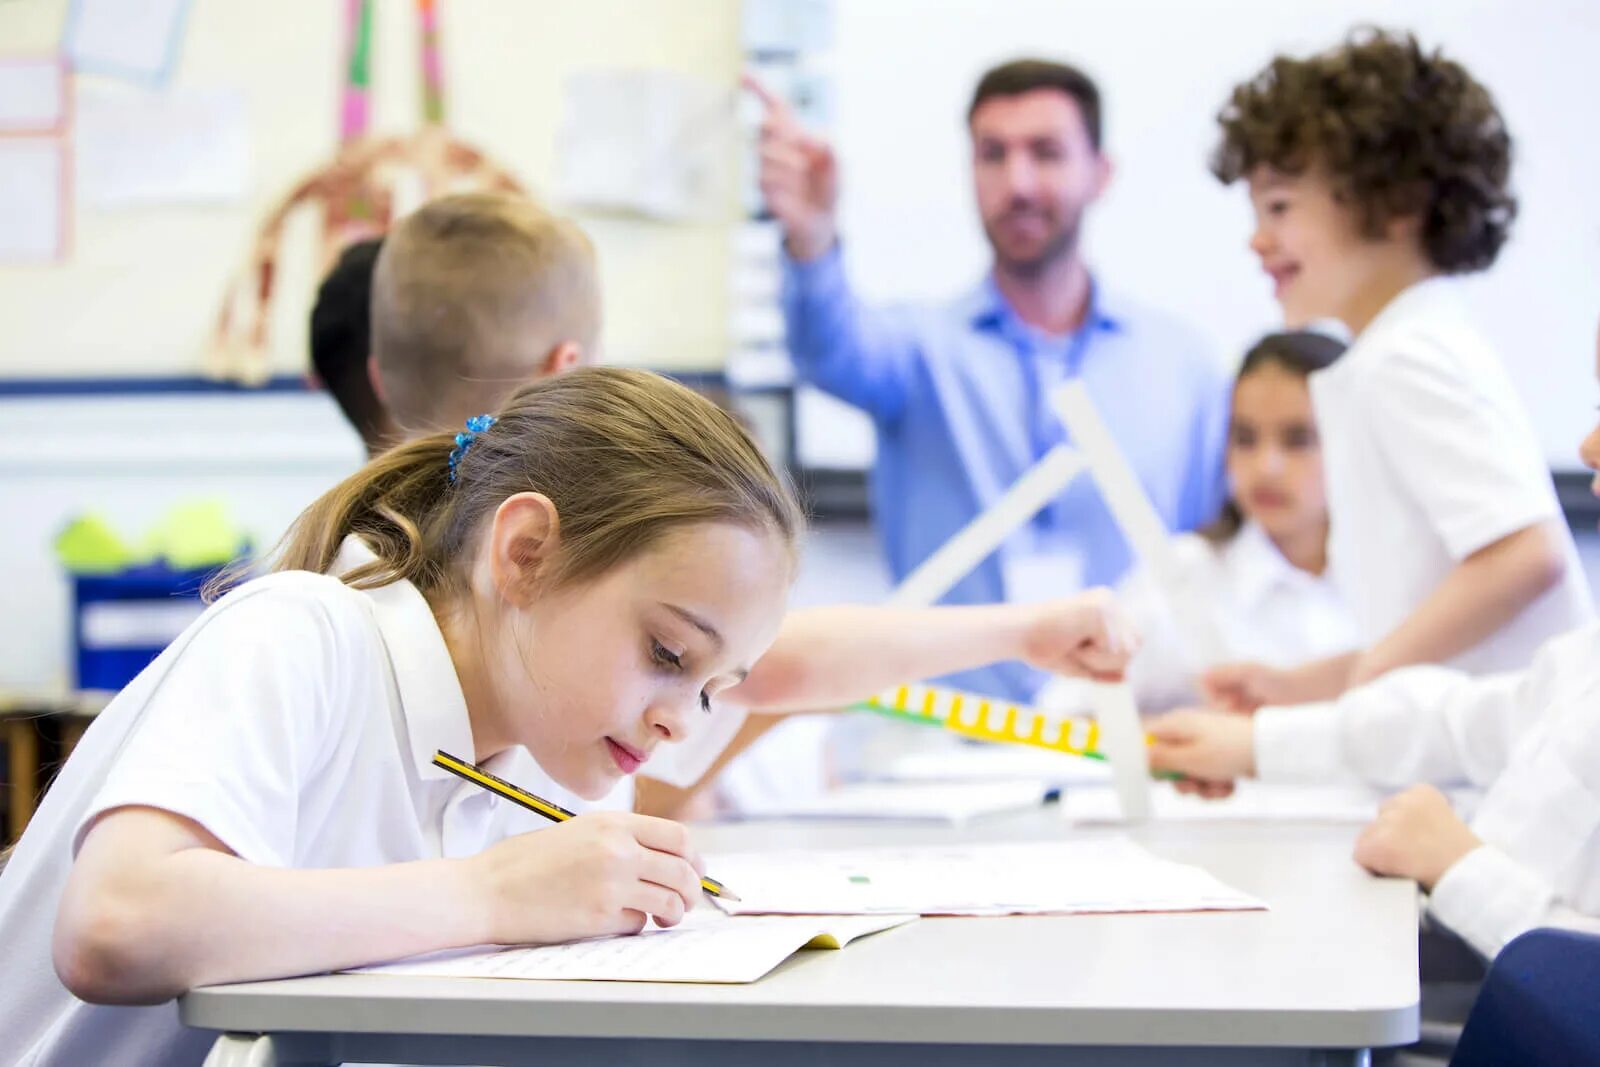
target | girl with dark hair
x=1261, y=568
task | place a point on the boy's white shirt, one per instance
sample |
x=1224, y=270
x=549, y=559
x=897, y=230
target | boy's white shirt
x=1429, y=457
x=296, y=720
x=1265, y=608
x=1530, y=738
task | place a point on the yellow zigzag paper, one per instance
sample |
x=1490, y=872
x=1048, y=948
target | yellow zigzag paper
x=971, y=715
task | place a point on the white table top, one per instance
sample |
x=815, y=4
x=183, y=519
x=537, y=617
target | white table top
x=1333, y=964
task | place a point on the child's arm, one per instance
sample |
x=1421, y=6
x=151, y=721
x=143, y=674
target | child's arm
x=1420, y=724
x=825, y=658
x=155, y=905
x=1543, y=807
x=828, y=657
x=1247, y=686
x=1478, y=596
x=1473, y=470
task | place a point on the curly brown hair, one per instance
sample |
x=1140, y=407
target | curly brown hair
x=1400, y=131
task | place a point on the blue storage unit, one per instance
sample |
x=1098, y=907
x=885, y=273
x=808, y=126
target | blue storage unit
x=122, y=621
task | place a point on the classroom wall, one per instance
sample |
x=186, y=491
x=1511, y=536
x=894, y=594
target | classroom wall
x=141, y=289
x=128, y=460
x=1169, y=233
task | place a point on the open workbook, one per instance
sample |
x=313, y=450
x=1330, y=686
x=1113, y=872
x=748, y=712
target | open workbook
x=825, y=899
x=707, y=946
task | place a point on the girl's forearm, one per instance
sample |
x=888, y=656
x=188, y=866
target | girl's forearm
x=826, y=657
x=202, y=917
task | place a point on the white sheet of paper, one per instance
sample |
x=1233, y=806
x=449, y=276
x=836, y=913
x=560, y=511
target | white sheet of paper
x=30, y=199
x=991, y=763
x=31, y=94
x=1035, y=878
x=126, y=38
x=178, y=146
x=706, y=947
x=914, y=802
x=654, y=142
x=1251, y=801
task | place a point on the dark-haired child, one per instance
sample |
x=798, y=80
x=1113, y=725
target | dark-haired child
x=1530, y=739
x=1261, y=569
x=341, y=344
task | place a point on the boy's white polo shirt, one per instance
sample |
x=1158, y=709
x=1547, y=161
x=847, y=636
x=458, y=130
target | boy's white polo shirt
x=296, y=720
x=1429, y=457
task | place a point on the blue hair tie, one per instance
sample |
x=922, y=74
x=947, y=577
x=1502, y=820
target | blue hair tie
x=475, y=425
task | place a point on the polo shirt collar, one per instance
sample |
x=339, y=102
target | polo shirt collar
x=1433, y=300
x=986, y=308
x=1428, y=298
x=431, y=700
x=1258, y=568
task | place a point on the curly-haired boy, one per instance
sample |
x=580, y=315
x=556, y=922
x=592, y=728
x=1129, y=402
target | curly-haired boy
x=1378, y=170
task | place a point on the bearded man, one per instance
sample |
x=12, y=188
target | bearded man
x=959, y=391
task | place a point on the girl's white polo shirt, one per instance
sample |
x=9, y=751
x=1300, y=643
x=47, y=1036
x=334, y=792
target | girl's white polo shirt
x=1263, y=607
x=1429, y=457
x=296, y=720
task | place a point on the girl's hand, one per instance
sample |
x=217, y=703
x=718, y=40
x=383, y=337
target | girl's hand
x=604, y=873
x=1087, y=636
x=1416, y=835
x=1209, y=748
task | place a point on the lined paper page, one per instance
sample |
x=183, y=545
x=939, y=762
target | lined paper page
x=1053, y=877
x=947, y=802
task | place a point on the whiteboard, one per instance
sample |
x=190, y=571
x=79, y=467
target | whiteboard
x=1167, y=233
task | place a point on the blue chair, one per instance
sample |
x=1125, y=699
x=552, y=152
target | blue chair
x=1540, y=1005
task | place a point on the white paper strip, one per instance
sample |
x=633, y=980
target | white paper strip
x=1137, y=517
x=135, y=39
x=32, y=223
x=32, y=95
x=178, y=146
x=973, y=543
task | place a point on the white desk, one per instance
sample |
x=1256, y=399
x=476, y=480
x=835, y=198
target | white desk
x=1329, y=972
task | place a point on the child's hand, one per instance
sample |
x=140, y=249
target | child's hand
x=1209, y=748
x=1087, y=636
x=1416, y=835
x=603, y=873
x=1241, y=687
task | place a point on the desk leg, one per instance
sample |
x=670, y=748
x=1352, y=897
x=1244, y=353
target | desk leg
x=1344, y=1057
x=251, y=1050
x=22, y=750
